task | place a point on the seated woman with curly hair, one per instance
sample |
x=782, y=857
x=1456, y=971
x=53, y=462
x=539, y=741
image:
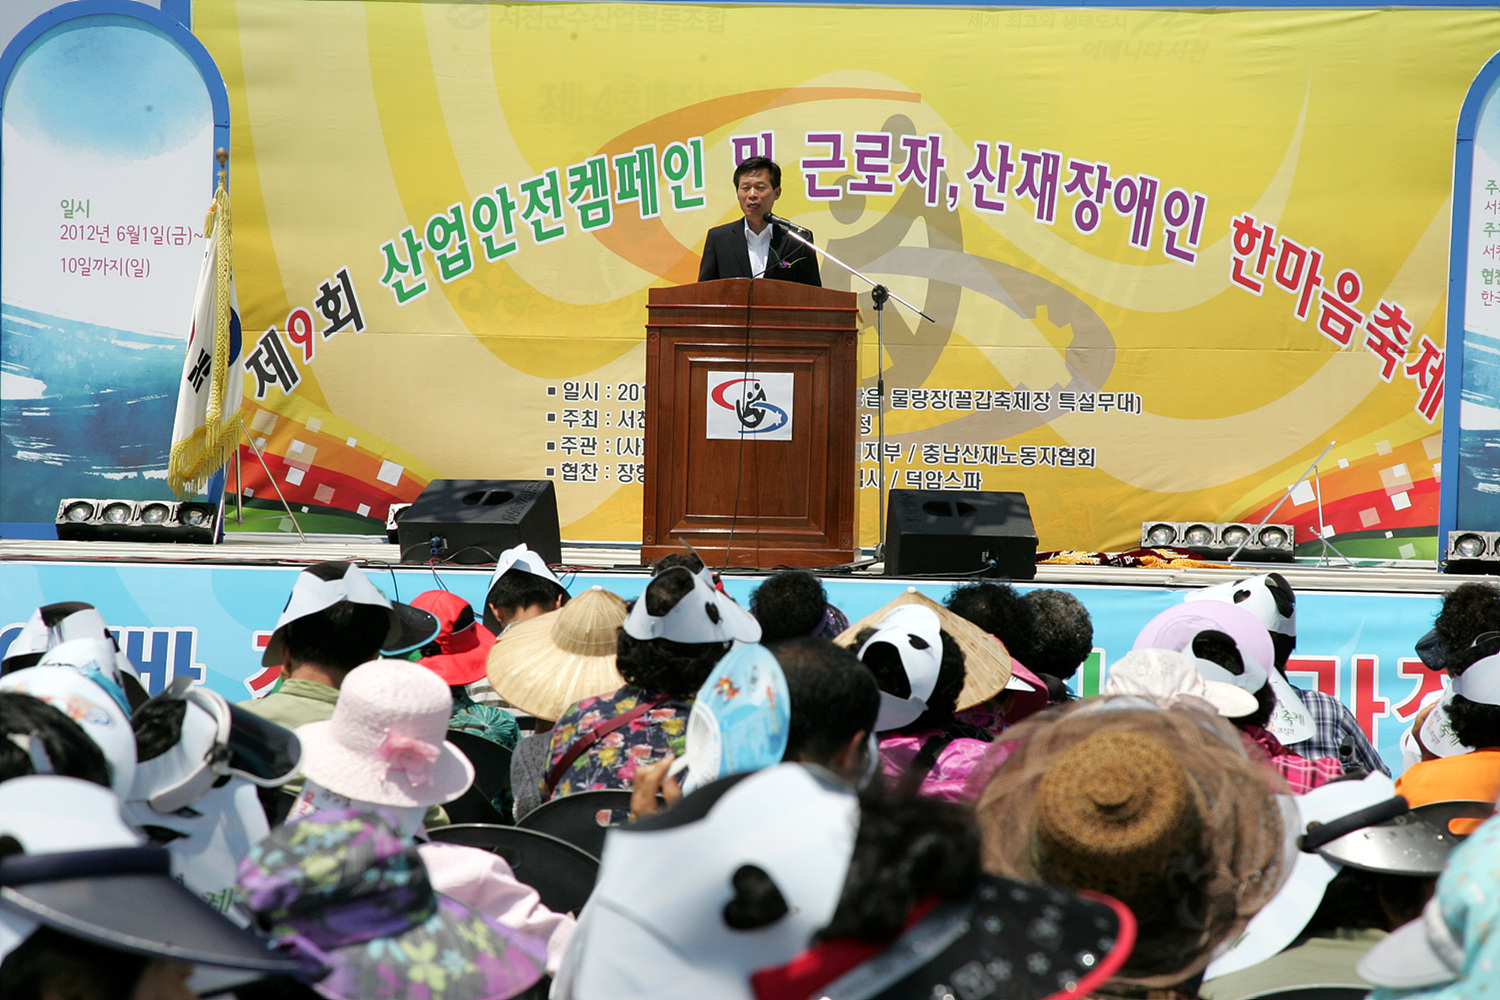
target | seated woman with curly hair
x=673, y=636
x=1463, y=730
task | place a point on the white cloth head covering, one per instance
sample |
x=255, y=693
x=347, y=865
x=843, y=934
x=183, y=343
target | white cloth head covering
x=522, y=558
x=91, y=706
x=702, y=615
x=215, y=834
x=1256, y=596
x=82, y=621
x=658, y=912
x=1176, y=628
x=312, y=593
x=1479, y=683
x=914, y=633
x=1290, y=721
x=1436, y=732
x=95, y=658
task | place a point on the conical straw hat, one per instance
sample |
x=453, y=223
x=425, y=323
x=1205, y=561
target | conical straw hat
x=547, y=663
x=986, y=663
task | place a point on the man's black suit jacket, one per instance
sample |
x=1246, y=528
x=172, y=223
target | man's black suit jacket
x=726, y=256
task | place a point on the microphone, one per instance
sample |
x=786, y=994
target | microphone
x=787, y=224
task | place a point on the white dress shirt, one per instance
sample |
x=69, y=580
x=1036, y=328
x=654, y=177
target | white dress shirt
x=760, y=248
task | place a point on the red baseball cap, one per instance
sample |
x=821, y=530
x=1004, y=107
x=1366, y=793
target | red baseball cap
x=465, y=643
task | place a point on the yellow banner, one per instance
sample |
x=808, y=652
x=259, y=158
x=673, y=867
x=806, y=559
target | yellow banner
x=1170, y=255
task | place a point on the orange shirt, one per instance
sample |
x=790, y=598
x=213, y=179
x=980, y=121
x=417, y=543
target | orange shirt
x=1474, y=776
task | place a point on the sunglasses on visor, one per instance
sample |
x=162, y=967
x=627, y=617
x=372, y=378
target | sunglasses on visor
x=243, y=745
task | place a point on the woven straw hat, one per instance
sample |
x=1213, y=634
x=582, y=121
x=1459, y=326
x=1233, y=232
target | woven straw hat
x=1161, y=808
x=547, y=663
x=986, y=663
x=1111, y=814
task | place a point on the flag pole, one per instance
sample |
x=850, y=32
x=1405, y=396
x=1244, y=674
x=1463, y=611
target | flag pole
x=239, y=489
x=207, y=424
x=221, y=155
x=274, y=484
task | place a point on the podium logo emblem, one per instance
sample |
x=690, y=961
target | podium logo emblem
x=745, y=404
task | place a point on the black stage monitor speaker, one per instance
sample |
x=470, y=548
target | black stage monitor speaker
x=945, y=531
x=474, y=520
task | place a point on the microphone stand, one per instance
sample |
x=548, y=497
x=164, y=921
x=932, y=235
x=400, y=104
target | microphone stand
x=879, y=294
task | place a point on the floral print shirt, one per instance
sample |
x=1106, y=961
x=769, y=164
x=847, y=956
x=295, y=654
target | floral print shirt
x=612, y=762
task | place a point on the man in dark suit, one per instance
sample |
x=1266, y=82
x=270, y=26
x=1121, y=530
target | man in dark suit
x=753, y=247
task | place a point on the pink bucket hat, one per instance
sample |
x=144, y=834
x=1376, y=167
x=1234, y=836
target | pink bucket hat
x=385, y=743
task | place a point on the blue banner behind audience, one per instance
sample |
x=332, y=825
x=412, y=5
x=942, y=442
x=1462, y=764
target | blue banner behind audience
x=211, y=623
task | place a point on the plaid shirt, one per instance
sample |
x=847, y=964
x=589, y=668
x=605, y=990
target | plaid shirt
x=1302, y=775
x=1333, y=723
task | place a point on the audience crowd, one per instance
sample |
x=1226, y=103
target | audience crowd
x=578, y=796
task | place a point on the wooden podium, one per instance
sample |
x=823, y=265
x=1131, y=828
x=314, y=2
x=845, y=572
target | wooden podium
x=748, y=499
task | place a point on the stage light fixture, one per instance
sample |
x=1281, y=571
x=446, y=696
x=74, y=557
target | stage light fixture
x=155, y=513
x=77, y=510
x=1272, y=535
x=135, y=521
x=198, y=515
x=1218, y=540
x=196, y=522
x=1156, y=535
x=1473, y=552
x=1198, y=534
x=1235, y=535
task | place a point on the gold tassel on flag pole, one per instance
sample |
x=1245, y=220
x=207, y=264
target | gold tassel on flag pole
x=207, y=427
x=220, y=447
